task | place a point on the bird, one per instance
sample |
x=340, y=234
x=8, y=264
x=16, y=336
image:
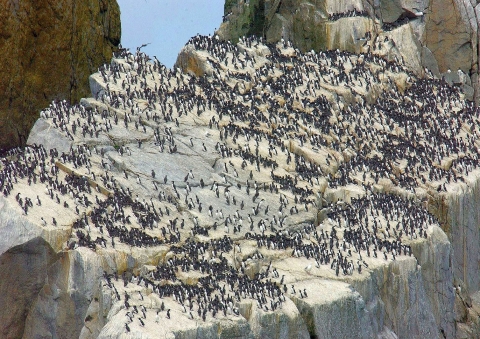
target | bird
x=143, y=45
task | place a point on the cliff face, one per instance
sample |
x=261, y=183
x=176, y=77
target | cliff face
x=155, y=201
x=48, y=50
x=256, y=177
x=23, y=275
x=440, y=35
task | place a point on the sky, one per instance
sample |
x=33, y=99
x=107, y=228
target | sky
x=167, y=24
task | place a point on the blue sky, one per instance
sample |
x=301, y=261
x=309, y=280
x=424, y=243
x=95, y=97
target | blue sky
x=167, y=24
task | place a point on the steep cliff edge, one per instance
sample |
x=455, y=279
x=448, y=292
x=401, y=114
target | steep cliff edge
x=48, y=50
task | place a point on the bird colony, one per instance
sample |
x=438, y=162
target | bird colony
x=230, y=191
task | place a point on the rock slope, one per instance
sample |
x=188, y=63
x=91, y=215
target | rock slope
x=260, y=193
x=441, y=35
x=48, y=50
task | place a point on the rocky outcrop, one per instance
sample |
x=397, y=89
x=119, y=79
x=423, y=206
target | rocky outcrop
x=439, y=35
x=48, y=50
x=192, y=62
x=263, y=193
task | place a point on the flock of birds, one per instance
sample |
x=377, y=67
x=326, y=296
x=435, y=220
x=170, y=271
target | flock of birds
x=280, y=126
x=347, y=14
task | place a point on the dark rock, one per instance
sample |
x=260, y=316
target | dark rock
x=49, y=48
x=23, y=270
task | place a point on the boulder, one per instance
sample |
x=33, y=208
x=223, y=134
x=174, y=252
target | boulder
x=391, y=11
x=192, y=62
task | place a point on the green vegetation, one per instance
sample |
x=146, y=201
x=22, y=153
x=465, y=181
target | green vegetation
x=257, y=15
x=248, y=19
x=228, y=6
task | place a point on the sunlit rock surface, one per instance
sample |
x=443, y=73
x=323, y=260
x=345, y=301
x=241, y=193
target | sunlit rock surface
x=440, y=35
x=281, y=195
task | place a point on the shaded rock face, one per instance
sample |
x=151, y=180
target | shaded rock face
x=71, y=286
x=47, y=293
x=48, y=50
x=463, y=211
x=23, y=272
x=444, y=33
x=451, y=34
